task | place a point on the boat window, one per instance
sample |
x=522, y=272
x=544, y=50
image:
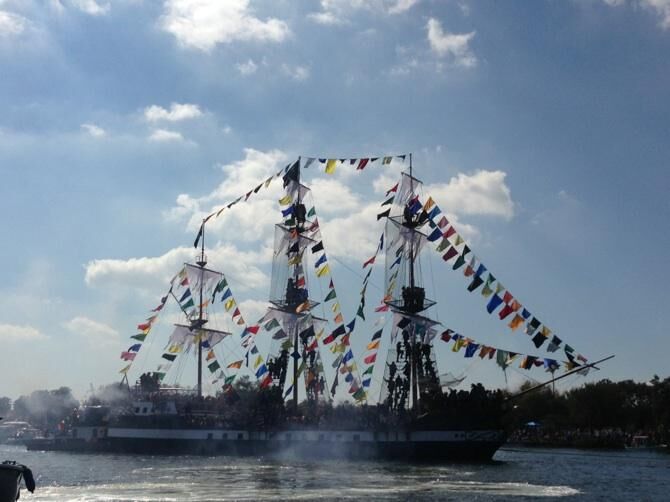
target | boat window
x=288, y=436
x=357, y=437
x=224, y=435
x=137, y=410
x=210, y=435
x=322, y=437
x=338, y=436
x=240, y=436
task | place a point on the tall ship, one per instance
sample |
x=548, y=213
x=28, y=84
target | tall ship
x=276, y=381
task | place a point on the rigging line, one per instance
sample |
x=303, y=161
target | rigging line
x=432, y=279
x=360, y=276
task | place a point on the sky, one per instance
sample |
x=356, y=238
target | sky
x=540, y=128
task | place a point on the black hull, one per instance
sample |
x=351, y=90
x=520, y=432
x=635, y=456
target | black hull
x=420, y=451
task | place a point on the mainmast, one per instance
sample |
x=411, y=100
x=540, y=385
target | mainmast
x=298, y=205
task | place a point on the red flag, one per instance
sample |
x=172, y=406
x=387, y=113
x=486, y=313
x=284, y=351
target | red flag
x=443, y=222
x=446, y=335
x=362, y=164
x=266, y=381
x=370, y=359
x=449, y=232
x=331, y=285
x=328, y=339
x=144, y=327
x=253, y=329
x=394, y=189
x=382, y=308
x=451, y=252
x=300, y=283
x=370, y=261
x=236, y=313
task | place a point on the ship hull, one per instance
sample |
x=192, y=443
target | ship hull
x=415, y=446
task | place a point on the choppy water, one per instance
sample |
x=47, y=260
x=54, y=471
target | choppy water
x=517, y=473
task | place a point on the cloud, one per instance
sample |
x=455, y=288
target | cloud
x=91, y=7
x=325, y=18
x=96, y=333
x=239, y=177
x=202, y=24
x=14, y=333
x=93, y=130
x=481, y=193
x=659, y=7
x=451, y=45
x=402, y=5
x=298, y=73
x=164, y=136
x=11, y=24
x=248, y=68
x=176, y=113
x=153, y=274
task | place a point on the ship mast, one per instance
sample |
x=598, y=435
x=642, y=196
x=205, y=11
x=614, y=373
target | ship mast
x=295, y=331
x=412, y=285
x=198, y=323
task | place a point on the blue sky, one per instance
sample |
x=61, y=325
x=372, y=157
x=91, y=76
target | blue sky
x=541, y=127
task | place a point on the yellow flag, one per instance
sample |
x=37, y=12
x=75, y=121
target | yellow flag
x=229, y=304
x=516, y=322
x=330, y=166
x=323, y=271
x=429, y=203
x=386, y=160
x=301, y=307
x=210, y=355
x=545, y=332
x=320, y=333
x=373, y=345
x=335, y=307
x=268, y=181
x=459, y=240
x=175, y=349
x=287, y=199
x=258, y=361
x=125, y=370
x=236, y=364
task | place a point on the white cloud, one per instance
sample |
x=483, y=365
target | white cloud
x=298, y=73
x=661, y=8
x=91, y=7
x=14, y=333
x=482, y=193
x=11, y=24
x=452, y=45
x=402, y=6
x=334, y=197
x=176, y=113
x=240, y=177
x=96, y=333
x=93, y=130
x=248, y=68
x=154, y=273
x=325, y=18
x=164, y=136
x=202, y=24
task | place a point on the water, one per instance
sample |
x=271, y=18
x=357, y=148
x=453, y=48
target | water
x=519, y=473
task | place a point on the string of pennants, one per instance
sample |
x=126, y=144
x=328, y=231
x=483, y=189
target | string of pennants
x=247, y=340
x=503, y=357
x=144, y=328
x=373, y=346
x=330, y=167
x=452, y=245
